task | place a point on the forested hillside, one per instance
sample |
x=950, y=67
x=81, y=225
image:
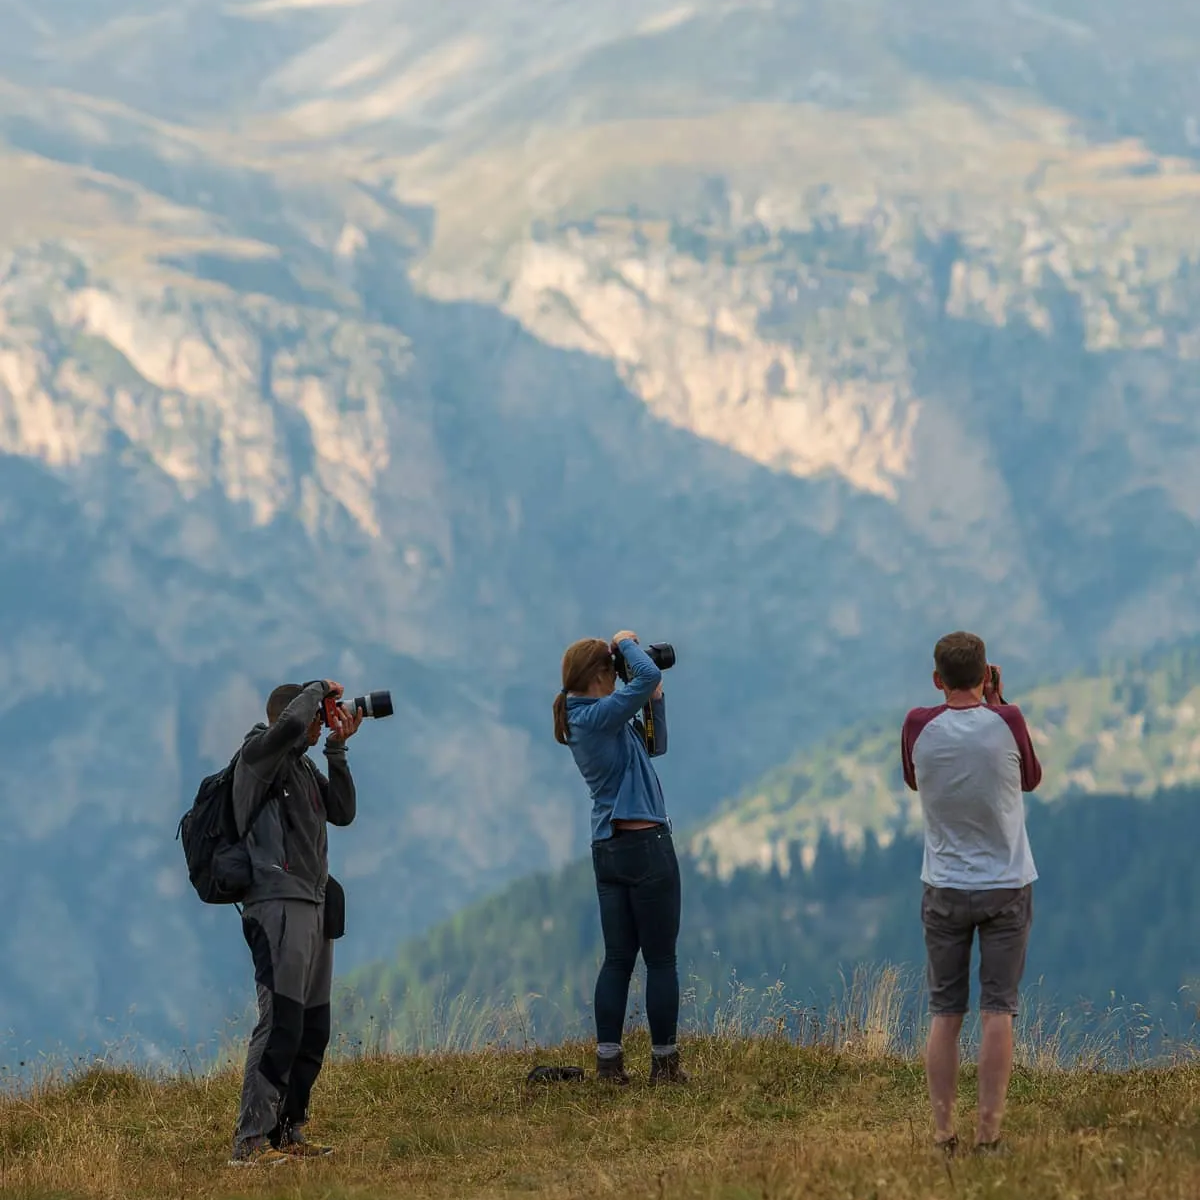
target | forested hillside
x=1116, y=908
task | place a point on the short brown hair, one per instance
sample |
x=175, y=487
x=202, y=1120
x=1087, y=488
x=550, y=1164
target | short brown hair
x=961, y=660
x=280, y=698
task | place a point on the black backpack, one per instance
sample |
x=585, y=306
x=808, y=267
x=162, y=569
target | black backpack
x=218, y=860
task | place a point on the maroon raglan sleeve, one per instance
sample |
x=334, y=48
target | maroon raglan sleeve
x=914, y=723
x=1031, y=769
x=908, y=739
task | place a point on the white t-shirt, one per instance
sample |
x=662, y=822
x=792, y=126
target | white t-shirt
x=970, y=767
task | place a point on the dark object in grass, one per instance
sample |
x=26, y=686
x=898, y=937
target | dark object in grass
x=555, y=1075
x=996, y=1149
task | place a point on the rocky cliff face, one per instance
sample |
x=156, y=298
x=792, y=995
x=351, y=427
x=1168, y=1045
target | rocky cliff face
x=367, y=346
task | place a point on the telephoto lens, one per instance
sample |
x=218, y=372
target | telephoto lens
x=373, y=704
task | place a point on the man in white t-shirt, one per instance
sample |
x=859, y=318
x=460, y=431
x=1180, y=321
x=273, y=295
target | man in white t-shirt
x=971, y=759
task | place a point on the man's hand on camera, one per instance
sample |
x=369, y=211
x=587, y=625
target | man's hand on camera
x=618, y=638
x=344, y=723
x=993, y=689
x=333, y=689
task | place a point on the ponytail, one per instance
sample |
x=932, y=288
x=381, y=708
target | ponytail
x=584, y=662
x=562, y=728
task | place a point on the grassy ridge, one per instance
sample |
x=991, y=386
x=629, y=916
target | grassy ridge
x=763, y=1118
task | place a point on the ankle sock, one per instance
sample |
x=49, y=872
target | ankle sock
x=608, y=1049
x=663, y=1051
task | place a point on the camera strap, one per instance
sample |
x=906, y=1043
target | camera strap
x=648, y=725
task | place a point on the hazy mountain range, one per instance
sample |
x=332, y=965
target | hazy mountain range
x=407, y=343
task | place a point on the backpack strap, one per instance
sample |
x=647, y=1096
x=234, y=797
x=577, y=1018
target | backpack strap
x=266, y=799
x=257, y=811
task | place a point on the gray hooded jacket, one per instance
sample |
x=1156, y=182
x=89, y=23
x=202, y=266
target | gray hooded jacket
x=288, y=845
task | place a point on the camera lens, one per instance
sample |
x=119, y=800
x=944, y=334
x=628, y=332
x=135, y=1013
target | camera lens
x=662, y=654
x=374, y=704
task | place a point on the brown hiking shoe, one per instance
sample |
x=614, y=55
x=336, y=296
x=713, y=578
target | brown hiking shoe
x=264, y=1155
x=612, y=1069
x=296, y=1145
x=665, y=1068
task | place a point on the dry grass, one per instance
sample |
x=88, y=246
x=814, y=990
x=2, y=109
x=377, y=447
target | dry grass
x=763, y=1118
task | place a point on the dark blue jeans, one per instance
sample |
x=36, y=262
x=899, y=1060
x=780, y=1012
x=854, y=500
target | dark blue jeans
x=637, y=880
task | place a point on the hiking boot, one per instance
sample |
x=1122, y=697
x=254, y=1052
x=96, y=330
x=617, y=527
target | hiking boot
x=305, y=1149
x=261, y=1155
x=665, y=1068
x=611, y=1069
x=947, y=1147
x=296, y=1145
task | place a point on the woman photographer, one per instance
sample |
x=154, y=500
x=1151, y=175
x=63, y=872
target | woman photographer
x=637, y=873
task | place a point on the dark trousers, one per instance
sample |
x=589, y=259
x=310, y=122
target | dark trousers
x=637, y=880
x=293, y=973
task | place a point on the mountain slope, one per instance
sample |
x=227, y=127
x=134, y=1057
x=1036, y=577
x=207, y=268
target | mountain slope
x=788, y=940
x=455, y=69
x=371, y=340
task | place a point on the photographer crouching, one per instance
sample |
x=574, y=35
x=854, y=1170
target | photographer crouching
x=637, y=873
x=293, y=910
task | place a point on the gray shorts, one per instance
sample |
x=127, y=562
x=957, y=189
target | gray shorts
x=1003, y=918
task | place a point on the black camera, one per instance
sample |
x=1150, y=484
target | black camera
x=373, y=704
x=661, y=654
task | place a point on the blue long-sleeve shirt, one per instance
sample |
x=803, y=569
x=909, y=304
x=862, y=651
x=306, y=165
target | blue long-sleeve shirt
x=609, y=752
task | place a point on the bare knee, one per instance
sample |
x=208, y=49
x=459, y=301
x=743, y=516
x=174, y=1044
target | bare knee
x=997, y=1024
x=946, y=1025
